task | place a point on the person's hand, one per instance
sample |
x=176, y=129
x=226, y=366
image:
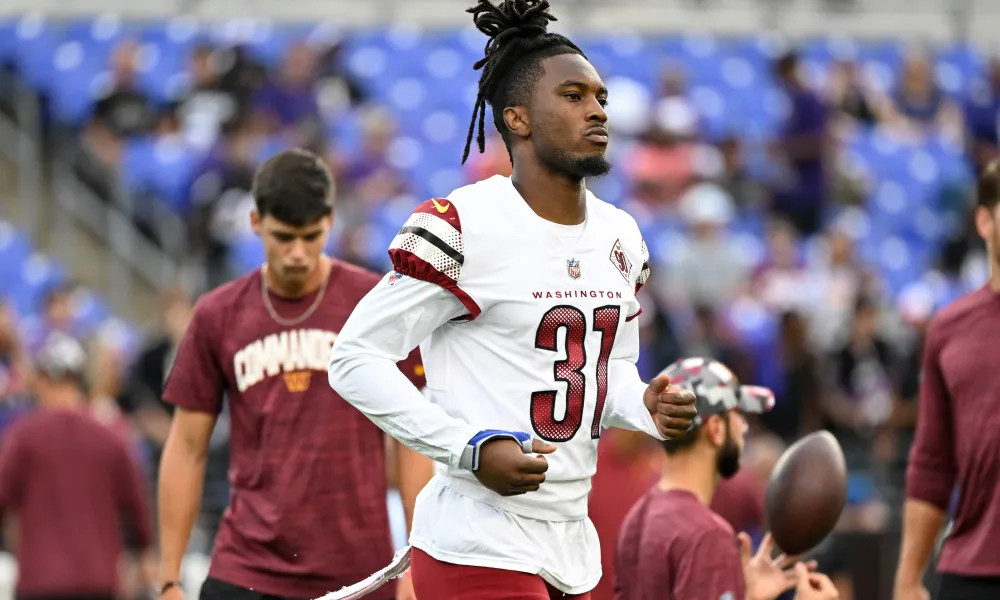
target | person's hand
x=672, y=407
x=172, y=593
x=404, y=588
x=910, y=590
x=508, y=471
x=813, y=586
x=767, y=578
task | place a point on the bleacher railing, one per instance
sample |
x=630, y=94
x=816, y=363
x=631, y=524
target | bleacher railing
x=72, y=203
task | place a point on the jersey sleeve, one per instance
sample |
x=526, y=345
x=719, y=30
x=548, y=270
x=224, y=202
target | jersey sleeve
x=386, y=325
x=624, y=406
x=644, y=271
x=430, y=247
x=196, y=380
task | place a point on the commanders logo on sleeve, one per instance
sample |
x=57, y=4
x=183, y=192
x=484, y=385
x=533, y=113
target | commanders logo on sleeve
x=620, y=260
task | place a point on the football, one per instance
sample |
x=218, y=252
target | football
x=806, y=492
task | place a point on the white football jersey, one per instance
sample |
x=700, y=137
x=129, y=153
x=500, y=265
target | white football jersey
x=548, y=336
x=524, y=326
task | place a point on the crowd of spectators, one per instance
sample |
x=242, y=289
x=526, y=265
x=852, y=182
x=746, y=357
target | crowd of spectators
x=801, y=312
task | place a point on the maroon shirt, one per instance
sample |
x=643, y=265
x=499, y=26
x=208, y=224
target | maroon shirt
x=673, y=547
x=620, y=481
x=307, y=512
x=958, y=431
x=68, y=479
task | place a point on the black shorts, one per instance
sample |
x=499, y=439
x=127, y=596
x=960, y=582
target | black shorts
x=215, y=589
x=960, y=587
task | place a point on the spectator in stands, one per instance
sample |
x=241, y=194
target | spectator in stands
x=337, y=88
x=708, y=268
x=57, y=316
x=121, y=111
x=68, y=480
x=368, y=178
x=858, y=402
x=781, y=281
x=241, y=76
x=837, y=279
x=220, y=198
x=982, y=117
x=673, y=91
x=797, y=410
x=205, y=106
x=851, y=96
x=286, y=105
x=664, y=161
x=918, y=106
x=861, y=397
x=803, y=147
x=142, y=400
x=709, y=337
x=747, y=192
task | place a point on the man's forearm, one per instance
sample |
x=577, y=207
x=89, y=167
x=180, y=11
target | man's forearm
x=922, y=523
x=181, y=479
x=374, y=385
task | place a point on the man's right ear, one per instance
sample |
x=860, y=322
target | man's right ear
x=715, y=429
x=985, y=223
x=255, y=221
x=517, y=120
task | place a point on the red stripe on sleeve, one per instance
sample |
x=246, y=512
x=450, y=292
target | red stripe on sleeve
x=412, y=265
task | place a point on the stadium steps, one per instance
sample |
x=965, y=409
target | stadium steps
x=86, y=258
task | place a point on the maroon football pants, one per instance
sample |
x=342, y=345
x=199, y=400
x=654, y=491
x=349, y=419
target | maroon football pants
x=436, y=580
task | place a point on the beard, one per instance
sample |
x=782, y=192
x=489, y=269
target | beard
x=727, y=461
x=576, y=166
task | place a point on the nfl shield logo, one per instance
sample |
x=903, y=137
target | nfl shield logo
x=573, y=268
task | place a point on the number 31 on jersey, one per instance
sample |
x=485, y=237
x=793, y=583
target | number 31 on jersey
x=570, y=370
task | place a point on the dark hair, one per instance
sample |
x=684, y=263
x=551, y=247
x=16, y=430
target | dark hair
x=988, y=192
x=786, y=64
x=674, y=446
x=518, y=41
x=294, y=187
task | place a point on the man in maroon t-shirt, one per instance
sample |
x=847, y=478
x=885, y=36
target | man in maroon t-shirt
x=672, y=546
x=957, y=445
x=68, y=479
x=307, y=512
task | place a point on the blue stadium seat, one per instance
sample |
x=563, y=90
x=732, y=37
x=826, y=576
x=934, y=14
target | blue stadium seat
x=164, y=166
x=36, y=40
x=36, y=276
x=78, y=70
x=8, y=39
x=15, y=248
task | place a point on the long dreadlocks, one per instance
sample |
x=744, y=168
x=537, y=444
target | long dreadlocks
x=518, y=41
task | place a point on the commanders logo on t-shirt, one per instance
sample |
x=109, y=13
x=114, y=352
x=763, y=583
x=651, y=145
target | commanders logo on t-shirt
x=293, y=354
